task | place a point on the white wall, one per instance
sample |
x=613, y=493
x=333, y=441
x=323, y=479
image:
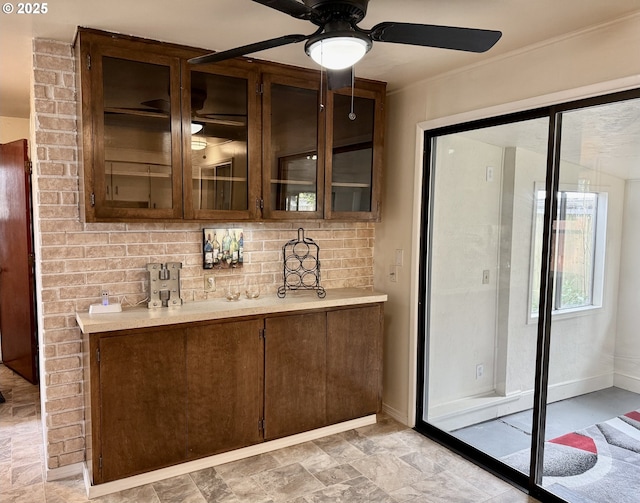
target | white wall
x=13, y=128
x=466, y=241
x=396, y=231
x=627, y=354
x=564, y=66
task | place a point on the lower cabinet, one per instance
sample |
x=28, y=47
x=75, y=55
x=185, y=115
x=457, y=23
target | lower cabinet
x=162, y=396
x=354, y=362
x=224, y=387
x=142, y=412
x=295, y=374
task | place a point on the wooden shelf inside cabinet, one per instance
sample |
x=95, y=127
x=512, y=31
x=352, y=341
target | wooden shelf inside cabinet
x=350, y=184
x=293, y=182
x=146, y=169
x=222, y=178
x=136, y=112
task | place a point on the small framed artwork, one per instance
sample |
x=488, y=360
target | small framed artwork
x=222, y=248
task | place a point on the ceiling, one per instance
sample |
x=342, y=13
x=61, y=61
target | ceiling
x=223, y=24
x=603, y=138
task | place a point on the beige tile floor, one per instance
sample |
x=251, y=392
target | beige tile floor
x=383, y=463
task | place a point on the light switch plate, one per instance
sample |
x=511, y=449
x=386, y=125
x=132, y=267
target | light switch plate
x=400, y=257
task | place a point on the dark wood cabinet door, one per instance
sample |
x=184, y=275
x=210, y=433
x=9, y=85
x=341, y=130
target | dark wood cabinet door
x=353, y=157
x=221, y=141
x=295, y=374
x=293, y=157
x=131, y=128
x=142, y=402
x=224, y=386
x=354, y=362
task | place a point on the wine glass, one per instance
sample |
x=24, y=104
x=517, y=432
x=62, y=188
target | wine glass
x=251, y=288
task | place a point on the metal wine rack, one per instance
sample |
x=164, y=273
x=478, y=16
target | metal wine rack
x=301, y=266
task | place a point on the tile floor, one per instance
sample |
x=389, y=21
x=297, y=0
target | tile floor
x=386, y=462
x=508, y=434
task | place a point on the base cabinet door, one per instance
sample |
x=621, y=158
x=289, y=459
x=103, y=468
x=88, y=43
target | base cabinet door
x=224, y=386
x=354, y=362
x=142, y=403
x=295, y=374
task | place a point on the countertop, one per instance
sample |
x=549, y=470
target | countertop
x=141, y=317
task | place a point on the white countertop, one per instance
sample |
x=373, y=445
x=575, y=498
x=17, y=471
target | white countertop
x=141, y=317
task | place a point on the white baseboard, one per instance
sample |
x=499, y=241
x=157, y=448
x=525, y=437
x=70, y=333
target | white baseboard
x=479, y=409
x=627, y=382
x=569, y=389
x=396, y=414
x=64, y=472
x=95, y=491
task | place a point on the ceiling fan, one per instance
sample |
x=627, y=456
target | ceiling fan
x=338, y=43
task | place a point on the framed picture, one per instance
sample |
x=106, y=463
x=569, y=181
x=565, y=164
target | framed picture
x=222, y=248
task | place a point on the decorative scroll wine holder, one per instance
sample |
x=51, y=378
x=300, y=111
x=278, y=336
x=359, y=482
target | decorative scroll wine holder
x=301, y=266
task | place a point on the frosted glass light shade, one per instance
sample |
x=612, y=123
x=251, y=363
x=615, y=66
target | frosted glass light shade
x=337, y=53
x=196, y=128
x=198, y=143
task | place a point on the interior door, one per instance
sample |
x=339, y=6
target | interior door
x=17, y=290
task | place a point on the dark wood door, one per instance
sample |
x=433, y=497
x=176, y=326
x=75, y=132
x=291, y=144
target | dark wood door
x=354, y=362
x=143, y=402
x=224, y=386
x=295, y=374
x=17, y=288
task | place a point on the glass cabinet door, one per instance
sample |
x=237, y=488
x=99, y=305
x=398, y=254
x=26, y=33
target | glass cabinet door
x=354, y=154
x=293, y=129
x=136, y=135
x=221, y=147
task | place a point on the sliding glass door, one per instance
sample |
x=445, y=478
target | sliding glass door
x=529, y=282
x=592, y=452
x=482, y=351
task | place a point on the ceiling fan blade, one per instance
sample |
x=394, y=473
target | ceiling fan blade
x=444, y=37
x=248, y=49
x=337, y=79
x=291, y=7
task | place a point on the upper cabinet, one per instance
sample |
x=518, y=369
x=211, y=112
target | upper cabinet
x=163, y=140
x=221, y=148
x=292, y=156
x=353, y=167
x=132, y=134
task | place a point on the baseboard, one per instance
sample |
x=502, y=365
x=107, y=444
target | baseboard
x=95, y=491
x=399, y=416
x=475, y=410
x=578, y=387
x=64, y=472
x=626, y=382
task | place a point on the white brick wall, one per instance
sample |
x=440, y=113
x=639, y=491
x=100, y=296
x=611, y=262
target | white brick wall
x=76, y=260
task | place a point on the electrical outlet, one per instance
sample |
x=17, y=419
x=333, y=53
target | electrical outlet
x=209, y=283
x=479, y=371
x=485, y=277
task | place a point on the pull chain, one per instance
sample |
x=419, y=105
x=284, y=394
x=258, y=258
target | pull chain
x=322, y=70
x=352, y=114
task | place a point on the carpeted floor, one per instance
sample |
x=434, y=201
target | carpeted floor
x=598, y=464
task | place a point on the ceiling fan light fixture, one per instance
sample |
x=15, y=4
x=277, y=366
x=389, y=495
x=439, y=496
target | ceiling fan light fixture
x=198, y=143
x=196, y=128
x=337, y=51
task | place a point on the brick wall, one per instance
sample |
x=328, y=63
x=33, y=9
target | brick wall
x=76, y=260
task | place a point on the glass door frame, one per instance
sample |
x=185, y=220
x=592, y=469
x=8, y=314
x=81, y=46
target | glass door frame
x=531, y=483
